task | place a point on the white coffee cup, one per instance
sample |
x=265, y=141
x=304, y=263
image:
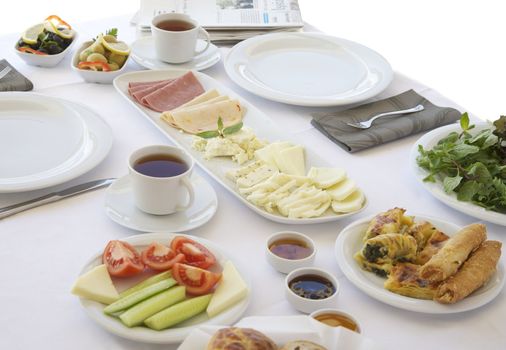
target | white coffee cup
x=161, y=195
x=177, y=46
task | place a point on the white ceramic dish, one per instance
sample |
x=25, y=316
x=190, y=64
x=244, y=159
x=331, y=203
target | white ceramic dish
x=254, y=118
x=310, y=305
x=143, y=52
x=95, y=76
x=33, y=129
x=428, y=141
x=283, y=329
x=45, y=60
x=350, y=241
x=179, y=332
x=287, y=265
x=120, y=207
x=307, y=69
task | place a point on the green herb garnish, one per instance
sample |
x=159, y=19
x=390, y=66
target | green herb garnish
x=472, y=166
x=221, y=132
x=112, y=31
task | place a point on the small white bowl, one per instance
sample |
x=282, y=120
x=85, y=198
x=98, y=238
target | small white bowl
x=287, y=265
x=45, y=60
x=309, y=305
x=338, y=312
x=95, y=76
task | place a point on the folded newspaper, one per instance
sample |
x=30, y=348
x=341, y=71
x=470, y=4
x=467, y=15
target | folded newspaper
x=228, y=21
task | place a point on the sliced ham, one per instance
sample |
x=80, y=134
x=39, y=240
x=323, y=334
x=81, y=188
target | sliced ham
x=174, y=94
x=138, y=95
x=134, y=84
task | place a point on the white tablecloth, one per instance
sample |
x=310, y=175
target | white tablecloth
x=43, y=250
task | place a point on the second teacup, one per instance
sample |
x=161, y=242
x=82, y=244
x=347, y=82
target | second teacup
x=161, y=179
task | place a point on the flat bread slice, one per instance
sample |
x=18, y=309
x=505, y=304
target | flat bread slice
x=167, y=116
x=205, y=117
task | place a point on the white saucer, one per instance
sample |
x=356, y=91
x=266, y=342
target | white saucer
x=120, y=207
x=143, y=52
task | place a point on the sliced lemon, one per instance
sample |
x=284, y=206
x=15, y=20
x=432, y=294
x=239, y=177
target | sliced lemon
x=110, y=38
x=30, y=36
x=65, y=33
x=119, y=48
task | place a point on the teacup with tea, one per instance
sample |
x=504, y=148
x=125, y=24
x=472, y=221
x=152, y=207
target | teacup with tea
x=175, y=36
x=161, y=179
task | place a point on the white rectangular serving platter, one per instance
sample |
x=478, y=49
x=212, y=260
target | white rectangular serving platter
x=262, y=126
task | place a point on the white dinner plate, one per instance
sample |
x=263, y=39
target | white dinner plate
x=263, y=127
x=350, y=242
x=143, y=52
x=45, y=141
x=428, y=141
x=307, y=69
x=177, y=333
x=120, y=207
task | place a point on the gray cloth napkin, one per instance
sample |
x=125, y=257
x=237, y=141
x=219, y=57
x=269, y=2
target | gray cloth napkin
x=333, y=124
x=14, y=81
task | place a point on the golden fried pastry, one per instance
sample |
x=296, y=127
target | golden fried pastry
x=234, y=338
x=475, y=272
x=389, y=247
x=448, y=259
x=391, y=221
x=302, y=345
x=404, y=279
x=433, y=245
x=422, y=232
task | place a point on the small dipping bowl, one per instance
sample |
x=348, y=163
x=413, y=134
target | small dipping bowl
x=308, y=280
x=336, y=318
x=289, y=250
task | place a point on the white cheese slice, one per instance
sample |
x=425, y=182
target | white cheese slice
x=96, y=285
x=342, y=189
x=268, y=153
x=229, y=292
x=292, y=161
x=258, y=175
x=326, y=177
x=351, y=203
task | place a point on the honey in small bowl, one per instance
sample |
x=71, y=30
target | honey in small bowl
x=290, y=248
x=337, y=320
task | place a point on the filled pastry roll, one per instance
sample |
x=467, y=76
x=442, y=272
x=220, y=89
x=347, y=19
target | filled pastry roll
x=475, y=272
x=391, y=221
x=390, y=247
x=448, y=259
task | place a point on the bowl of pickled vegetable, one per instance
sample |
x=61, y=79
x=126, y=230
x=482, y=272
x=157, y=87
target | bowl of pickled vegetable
x=46, y=44
x=101, y=59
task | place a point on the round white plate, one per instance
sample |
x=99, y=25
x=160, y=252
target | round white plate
x=350, y=241
x=180, y=331
x=143, y=52
x=308, y=69
x=428, y=141
x=45, y=141
x=120, y=207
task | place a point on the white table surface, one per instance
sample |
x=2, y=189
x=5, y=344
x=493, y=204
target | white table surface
x=43, y=250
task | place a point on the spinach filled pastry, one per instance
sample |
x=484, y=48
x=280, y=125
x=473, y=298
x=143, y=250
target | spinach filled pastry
x=452, y=255
x=389, y=248
x=473, y=274
x=391, y=221
x=404, y=279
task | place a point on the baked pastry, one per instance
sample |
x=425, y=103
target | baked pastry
x=448, y=259
x=391, y=221
x=475, y=272
x=404, y=279
x=390, y=248
x=234, y=338
x=302, y=345
x=433, y=245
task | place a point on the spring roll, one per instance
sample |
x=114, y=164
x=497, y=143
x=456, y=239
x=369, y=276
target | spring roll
x=475, y=272
x=448, y=259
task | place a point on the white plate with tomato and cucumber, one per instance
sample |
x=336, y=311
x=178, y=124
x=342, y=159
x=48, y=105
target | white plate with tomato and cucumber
x=157, y=287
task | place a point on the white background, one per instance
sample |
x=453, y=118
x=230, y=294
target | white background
x=457, y=47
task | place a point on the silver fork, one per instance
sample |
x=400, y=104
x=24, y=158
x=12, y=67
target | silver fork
x=367, y=124
x=5, y=71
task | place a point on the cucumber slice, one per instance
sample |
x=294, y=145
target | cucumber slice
x=178, y=313
x=147, y=282
x=139, y=312
x=140, y=295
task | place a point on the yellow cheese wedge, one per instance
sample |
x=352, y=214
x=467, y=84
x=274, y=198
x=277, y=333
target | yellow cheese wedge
x=229, y=292
x=96, y=285
x=291, y=161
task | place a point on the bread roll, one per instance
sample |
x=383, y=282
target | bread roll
x=240, y=339
x=302, y=345
x=448, y=259
x=475, y=272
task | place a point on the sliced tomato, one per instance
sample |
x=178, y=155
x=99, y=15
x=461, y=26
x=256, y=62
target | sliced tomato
x=159, y=257
x=121, y=259
x=195, y=253
x=196, y=280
